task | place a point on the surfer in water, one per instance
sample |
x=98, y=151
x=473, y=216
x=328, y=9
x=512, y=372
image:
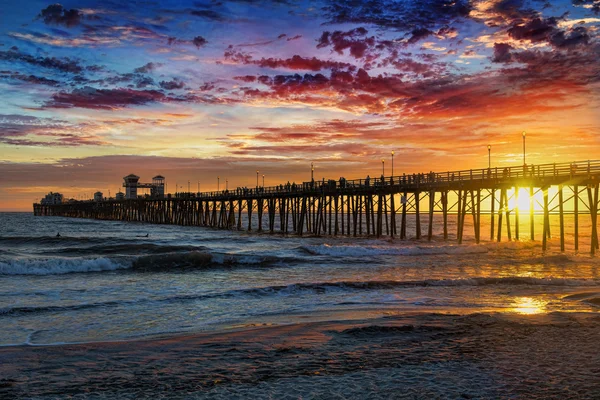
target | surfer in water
x=57, y=234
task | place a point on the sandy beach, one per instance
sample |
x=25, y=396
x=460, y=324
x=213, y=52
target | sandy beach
x=411, y=356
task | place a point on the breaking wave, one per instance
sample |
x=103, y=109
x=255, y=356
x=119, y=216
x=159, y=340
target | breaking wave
x=361, y=251
x=56, y=266
x=300, y=289
x=146, y=263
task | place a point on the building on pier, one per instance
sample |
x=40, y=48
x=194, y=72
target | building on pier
x=98, y=196
x=131, y=184
x=52, y=199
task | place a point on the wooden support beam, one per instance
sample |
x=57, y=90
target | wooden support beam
x=546, y=220
x=576, y=215
x=418, y=213
x=532, y=213
x=516, y=213
x=431, y=207
x=561, y=217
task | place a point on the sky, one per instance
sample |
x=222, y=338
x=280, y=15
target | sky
x=92, y=91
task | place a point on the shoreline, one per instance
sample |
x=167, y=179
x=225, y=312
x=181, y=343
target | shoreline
x=250, y=361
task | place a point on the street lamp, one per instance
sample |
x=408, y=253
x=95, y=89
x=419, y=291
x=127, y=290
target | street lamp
x=489, y=156
x=524, y=148
x=392, y=162
x=218, y=183
x=382, y=167
x=312, y=172
x=226, y=184
x=263, y=180
x=188, y=187
x=256, y=178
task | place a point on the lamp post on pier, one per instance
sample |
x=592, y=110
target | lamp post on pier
x=489, y=156
x=263, y=180
x=382, y=167
x=392, y=162
x=218, y=183
x=188, y=187
x=226, y=184
x=256, y=178
x=312, y=172
x=524, y=148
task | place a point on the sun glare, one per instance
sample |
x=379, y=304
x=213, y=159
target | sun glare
x=522, y=200
x=529, y=306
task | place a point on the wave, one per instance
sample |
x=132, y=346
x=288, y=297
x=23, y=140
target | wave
x=53, y=240
x=361, y=251
x=132, y=248
x=57, y=266
x=299, y=289
x=176, y=261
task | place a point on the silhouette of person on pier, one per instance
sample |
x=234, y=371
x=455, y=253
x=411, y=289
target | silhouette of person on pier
x=57, y=234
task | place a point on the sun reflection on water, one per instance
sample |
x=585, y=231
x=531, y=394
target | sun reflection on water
x=529, y=305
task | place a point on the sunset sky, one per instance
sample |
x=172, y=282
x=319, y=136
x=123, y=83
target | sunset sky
x=94, y=90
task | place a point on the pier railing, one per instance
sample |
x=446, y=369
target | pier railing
x=490, y=176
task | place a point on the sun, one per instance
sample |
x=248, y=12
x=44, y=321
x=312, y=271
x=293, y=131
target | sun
x=521, y=200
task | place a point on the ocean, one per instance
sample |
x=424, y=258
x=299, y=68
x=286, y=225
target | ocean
x=110, y=282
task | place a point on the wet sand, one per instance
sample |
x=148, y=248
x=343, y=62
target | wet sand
x=414, y=356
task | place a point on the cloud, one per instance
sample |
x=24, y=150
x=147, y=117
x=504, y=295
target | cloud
x=62, y=65
x=502, y=53
x=199, y=41
x=32, y=79
x=149, y=67
x=104, y=99
x=593, y=5
x=399, y=15
x=352, y=40
x=296, y=62
x=172, y=85
x=57, y=15
x=25, y=130
x=208, y=14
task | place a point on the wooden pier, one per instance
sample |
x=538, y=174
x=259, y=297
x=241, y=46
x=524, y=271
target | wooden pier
x=373, y=207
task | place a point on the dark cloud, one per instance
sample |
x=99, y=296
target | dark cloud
x=300, y=63
x=63, y=65
x=293, y=38
x=296, y=62
x=594, y=5
x=502, y=53
x=104, y=99
x=149, y=67
x=32, y=79
x=400, y=15
x=199, y=41
x=536, y=30
x=57, y=15
x=25, y=130
x=208, y=14
x=572, y=38
x=172, y=85
x=418, y=34
x=546, y=30
x=245, y=78
x=353, y=40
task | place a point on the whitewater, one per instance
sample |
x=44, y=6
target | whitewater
x=105, y=281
